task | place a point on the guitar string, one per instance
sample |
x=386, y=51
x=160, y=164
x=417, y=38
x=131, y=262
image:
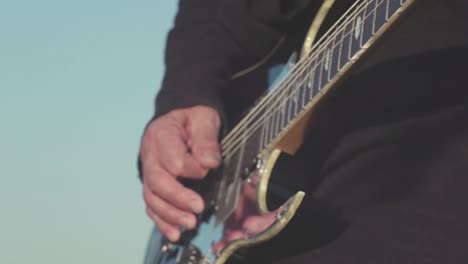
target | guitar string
x=253, y=111
x=227, y=152
x=292, y=89
x=345, y=35
x=230, y=149
x=291, y=81
x=305, y=65
x=283, y=82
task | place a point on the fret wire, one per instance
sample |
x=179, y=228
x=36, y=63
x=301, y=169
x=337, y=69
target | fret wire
x=387, y=10
x=321, y=74
x=330, y=61
x=272, y=127
x=381, y=10
x=274, y=116
x=362, y=26
x=304, y=92
x=267, y=135
x=319, y=64
x=262, y=133
x=228, y=139
x=271, y=114
x=375, y=16
x=312, y=82
x=269, y=129
x=267, y=138
x=293, y=104
x=350, y=42
x=339, y=55
x=296, y=100
x=281, y=119
x=241, y=155
x=270, y=133
x=290, y=106
x=283, y=109
x=262, y=106
x=277, y=123
x=296, y=87
x=303, y=80
x=334, y=60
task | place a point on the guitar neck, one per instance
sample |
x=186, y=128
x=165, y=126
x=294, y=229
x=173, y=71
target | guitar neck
x=331, y=59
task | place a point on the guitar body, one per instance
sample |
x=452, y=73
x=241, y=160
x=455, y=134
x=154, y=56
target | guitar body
x=276, y=124
x=200, y=249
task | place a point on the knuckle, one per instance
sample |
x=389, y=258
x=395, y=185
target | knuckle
x=165, y=230
x=176, y=166
x=205, y=146
x=165, y=189
x=149, y=212
x=206, y=143
x=215, y=122
x=148, y=136
x=152, y=179
x=148, y=156
x=160, y=134
x=157, y=185
x=213, y=118
x=151, y=131
x=173, y=216
x=156, y=130
x=147, y=197
x=206, y=115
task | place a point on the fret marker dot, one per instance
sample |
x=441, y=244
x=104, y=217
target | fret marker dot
x=357, y=30
x=327, y=59
x=310, y=81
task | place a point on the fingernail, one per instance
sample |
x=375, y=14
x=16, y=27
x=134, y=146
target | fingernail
x=196, y=206
x=173, y=235
x=211, y=157
x=187, y=222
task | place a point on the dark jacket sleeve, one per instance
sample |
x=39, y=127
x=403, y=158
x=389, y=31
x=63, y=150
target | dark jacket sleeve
x=211, y=37
x=196, y=58
x=208, y=42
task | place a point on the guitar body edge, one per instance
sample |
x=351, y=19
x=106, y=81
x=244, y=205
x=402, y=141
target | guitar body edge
x=282, y=217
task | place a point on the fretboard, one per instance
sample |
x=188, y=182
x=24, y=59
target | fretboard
x=331, y=56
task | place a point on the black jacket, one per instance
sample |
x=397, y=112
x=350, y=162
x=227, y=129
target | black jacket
x=383, y=151
x=213, y=39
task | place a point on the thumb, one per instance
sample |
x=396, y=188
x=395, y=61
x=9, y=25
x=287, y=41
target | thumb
x=203, y=129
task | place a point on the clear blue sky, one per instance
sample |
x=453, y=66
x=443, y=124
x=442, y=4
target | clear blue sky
x=77, y=81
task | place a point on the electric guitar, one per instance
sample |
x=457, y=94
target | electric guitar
x=275, y=124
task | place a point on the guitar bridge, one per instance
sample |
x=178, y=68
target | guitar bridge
x=182, y=254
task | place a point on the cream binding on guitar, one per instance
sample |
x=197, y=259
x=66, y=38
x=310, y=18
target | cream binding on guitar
x=276, y=124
